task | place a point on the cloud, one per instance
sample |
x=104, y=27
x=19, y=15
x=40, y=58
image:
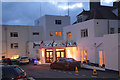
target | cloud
x=108, y=1
x=65, y=7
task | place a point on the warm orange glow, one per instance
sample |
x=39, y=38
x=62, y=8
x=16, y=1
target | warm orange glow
x=69, y=35
x=42, y=52
x=85, y=56
x=14, y=56
x=49, y=49
x=62, y=54
x=101, y=58
x=69, y=54
x=81, y=56
x=58, y=33
x=60, y=49
x=58, y=54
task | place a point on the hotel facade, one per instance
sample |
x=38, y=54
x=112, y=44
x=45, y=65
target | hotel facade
x=91, y=38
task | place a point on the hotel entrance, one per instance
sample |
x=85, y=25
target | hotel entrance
x=60, y=53
x=48, y=55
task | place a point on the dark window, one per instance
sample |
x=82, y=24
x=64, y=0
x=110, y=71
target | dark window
x=58, y=22
x=84, y=33
x=35, y=33
x=118, y=30
x=14, y=45
x=14, y=34
x=111, y=30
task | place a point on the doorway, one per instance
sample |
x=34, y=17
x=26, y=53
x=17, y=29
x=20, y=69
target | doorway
x=60, y=53
x=101, y=58
x=48, y=55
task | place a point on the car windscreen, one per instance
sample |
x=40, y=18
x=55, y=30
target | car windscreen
x=70, y=59
x=19, y=70
x=24, y=57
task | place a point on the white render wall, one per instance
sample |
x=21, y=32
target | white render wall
x=25, y=35
x=48, y=24
x=111, y=51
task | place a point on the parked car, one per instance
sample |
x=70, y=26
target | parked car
x=12, y=73
x=65, y=64
x=7, y=61
x=23, y=60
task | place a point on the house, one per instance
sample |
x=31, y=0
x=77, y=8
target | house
x=96, y=33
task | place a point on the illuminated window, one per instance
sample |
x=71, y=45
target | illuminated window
x=69, y=35
x=51, y=34
x=84, y=33
x=58, y=33
x=83, y=56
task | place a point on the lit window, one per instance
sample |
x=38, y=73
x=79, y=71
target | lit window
x=111, y=30
x=35, y=33
x=58, y=33
x=69, y=35
x=14, y=34
x=14, y=45
x=58, y=22
x=51, y=34
x=84, y=33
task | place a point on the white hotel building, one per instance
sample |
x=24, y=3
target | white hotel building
x=93, y=37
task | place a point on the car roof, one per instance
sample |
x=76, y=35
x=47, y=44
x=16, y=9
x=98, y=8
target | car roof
x=10, y=66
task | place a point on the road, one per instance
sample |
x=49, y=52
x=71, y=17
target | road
x=43, y=71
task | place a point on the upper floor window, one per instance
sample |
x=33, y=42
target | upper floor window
x=69, y=35
x=111, y=30
x=14, y=45
x=14, y=34
x=58, y=33
x=58, y=22
x=118, y=30
x=35, y=33
x=51, y=34
x=84, y=32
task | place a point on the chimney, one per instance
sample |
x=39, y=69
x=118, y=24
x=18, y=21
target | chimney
x=116, y=4
x=94, y=4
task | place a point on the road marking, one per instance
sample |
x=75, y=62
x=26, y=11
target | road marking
x=69, y=72
x=76, y=74
x=83, y=75
x=94, y=76
x=59, y=71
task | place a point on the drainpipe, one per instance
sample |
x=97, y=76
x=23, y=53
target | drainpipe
x=108, y=27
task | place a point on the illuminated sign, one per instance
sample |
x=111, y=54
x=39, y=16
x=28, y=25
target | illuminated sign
x=55, y=44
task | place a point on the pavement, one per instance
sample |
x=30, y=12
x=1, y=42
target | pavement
x=44, y=71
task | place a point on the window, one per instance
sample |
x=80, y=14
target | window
x=118, y=30
x=58, y=22
x=51, y=34
x=14, y=45
x=111, y=30
x=35, y=33
x=14, y=34
x=84, y=33
x=69, y=35
x=58, y=33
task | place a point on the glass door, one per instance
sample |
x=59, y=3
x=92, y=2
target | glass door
x=49, y=56
x=60, y=53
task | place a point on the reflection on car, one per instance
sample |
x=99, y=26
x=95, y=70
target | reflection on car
x=23, y=60
x=12, y=73
x=65, y=64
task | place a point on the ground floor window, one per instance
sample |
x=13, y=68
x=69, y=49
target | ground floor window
x=83, y=56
